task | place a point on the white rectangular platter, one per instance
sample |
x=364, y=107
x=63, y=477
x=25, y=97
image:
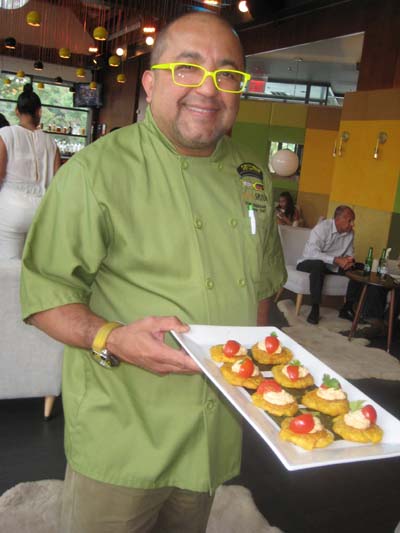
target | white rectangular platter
x=197, y=343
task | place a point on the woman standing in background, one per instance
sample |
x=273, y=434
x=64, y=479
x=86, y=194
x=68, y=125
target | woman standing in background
x=286, y=212
x=28, y=160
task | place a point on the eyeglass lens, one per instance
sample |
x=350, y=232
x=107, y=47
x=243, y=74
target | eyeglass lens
x=190, y=75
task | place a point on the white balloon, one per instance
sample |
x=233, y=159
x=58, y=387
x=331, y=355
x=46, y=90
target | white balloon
x=285, y=162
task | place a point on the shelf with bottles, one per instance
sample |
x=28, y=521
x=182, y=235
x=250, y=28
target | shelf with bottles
x=65, y=134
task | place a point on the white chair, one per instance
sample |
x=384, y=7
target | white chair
x=293, y=241
x=30, y=361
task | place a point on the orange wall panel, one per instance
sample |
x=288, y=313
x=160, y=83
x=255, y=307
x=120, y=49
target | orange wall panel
x=318, y=162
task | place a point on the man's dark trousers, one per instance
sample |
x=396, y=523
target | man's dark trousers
x=317, y=270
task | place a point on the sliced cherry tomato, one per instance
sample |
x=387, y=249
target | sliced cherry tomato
x=246, y=368
x=269, y=385
x=271, y=344
x=293, y=372
x=369, y=412
x=302, y=424
x=323, y=386
x=231, y=348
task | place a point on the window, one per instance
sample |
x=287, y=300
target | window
x=67, y=125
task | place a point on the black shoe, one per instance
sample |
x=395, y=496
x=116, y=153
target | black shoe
x=313, y=317
x=347, y=314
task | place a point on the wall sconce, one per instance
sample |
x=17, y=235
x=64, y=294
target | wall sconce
x=381, y=139
x=344, y=137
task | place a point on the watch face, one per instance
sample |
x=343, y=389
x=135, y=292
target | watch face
x=105, y=358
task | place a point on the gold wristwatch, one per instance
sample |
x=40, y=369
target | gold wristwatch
x=100, y=354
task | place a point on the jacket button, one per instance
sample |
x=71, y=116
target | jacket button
x=220, y=166
x=210, y=405
x=209, y=283
x=242, y=282
x=198, y=223
x=184, y=164
x=233, y=222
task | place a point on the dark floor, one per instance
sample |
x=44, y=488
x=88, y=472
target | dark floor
x=359, y=497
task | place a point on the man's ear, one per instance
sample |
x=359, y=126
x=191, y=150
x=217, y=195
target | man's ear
x=148, y=83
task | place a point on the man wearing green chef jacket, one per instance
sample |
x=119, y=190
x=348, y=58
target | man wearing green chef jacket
x=157, y=225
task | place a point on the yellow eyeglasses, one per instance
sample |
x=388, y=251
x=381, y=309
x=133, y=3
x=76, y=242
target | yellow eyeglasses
x=190, y=75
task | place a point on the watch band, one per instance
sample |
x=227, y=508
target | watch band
x=99, y=351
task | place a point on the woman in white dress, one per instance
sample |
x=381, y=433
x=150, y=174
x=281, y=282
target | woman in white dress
x=29, y=159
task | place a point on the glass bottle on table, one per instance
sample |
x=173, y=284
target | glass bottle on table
x=381, y=259
x=383, y=265
x=368, y=262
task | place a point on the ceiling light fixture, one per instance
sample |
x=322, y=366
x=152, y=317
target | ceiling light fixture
x=242, y=6
x=13, y=4
x=114, y=61
x=33, y=19
x=93, y=49
x=92, y=85
x=20, y=74
x=80, y=72
x=10, y=43
x=121, y=78
x=119, y=51
x=149, y=29
x=64, y=53
x=149, y=40
x=100, y=33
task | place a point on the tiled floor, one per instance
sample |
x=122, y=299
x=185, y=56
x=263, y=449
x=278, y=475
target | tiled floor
x=362, y=497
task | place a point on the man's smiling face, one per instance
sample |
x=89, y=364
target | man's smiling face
x=194, y=119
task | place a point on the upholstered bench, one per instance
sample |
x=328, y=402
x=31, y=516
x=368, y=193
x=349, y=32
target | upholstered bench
x=293, y=241
x=30, y=361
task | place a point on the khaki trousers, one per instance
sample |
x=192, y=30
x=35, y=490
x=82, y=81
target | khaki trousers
x=90, y=506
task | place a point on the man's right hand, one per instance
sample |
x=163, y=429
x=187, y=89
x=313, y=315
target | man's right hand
x=344, y=262
x=141, y=343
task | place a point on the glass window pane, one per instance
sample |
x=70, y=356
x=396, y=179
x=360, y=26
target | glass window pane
x=8, y=110
x=318, y=93
x=53, y=118
x=54, y=95
x=13, y=90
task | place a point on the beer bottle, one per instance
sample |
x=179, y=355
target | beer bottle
x=381, y=261
x=383, y=270
x=368, y=262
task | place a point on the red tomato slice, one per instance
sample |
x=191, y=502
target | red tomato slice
x=369, y=412
x=271, y=344
x=246, y=368
x=269, y=385
x=323, y=386
x=293, y=372
x=302, y=424
x=231, y=348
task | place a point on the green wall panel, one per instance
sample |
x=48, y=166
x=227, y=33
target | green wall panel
x=396, y=207
x=394, y=236
x=254, y=136
x=286, y=134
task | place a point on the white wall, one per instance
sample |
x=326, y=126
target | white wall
x=50, y=70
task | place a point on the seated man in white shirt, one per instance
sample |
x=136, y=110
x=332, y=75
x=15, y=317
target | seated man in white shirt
x=329, y=250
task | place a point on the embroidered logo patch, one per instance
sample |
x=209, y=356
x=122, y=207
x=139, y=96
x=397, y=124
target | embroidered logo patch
x=252, y=180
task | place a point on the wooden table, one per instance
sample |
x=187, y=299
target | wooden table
x=373, y=279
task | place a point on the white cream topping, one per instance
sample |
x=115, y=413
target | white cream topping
x=261, y=346
x=242, y=351
x=256, y=371
x=357, y=420
x=278, y=398
x=303, y=372
x=317, y=425
x=331, y=394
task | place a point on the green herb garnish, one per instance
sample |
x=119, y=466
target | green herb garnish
x=331, y=383
x=356, y=405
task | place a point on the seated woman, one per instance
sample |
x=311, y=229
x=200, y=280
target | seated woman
x=287, y=213
x=28, y=160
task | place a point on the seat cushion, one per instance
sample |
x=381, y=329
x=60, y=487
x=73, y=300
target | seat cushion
x=299, y=282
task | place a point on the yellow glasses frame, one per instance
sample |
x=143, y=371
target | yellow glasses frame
x=213, y=74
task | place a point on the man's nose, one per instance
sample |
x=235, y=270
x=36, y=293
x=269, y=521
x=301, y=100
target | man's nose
x=208, y=87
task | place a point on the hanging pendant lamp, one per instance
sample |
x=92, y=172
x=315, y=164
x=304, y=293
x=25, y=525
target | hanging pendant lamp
x=100, y=33
x=33, y=19
x=64, y=53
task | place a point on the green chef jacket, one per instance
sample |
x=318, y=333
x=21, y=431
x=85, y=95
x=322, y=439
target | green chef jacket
x=131, y=228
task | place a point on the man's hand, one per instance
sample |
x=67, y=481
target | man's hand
x=141, y=343
x=344, y=262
